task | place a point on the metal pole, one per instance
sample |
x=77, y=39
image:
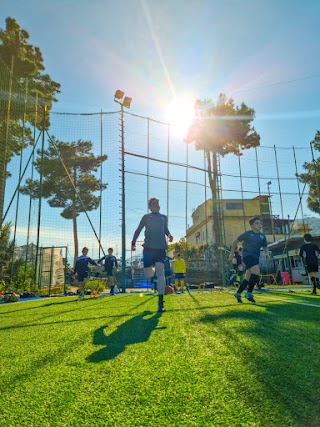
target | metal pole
x=148, y=165
x=205, y=194
x=279, y=186
x=241, y=185
x=186, y=213
x=302, y=215
x=168, y=173
x=30, y=198
x=123, y=269
x=270, y=211
x=51, y=269
x=100, y=211
x=40, y=187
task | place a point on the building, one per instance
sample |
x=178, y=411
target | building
x=236, y=214
x=285, y=253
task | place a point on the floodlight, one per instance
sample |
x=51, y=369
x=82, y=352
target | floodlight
x=119, y=95
x=127, y=102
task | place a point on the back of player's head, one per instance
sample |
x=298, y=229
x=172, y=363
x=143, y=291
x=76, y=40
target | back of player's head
x=85, y=249
x=254, y=219
x=307, y=237
x=178, y=254
x=152, y=200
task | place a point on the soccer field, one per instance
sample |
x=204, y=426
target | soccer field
x=207, y=361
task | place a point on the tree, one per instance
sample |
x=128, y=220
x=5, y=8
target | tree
x=6, y=250
x=56, y=186
x=22, y=81
x=221, y=128
x=312, y=177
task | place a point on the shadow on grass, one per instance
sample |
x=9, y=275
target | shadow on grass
x=136, y=330
x=272, y=345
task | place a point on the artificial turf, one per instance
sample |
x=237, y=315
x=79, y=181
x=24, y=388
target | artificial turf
x=115, y=361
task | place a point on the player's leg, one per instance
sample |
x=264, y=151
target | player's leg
x=82, y=278
x=313, y=276
x=111, y=282
x=245, y=281
x=243, y=285
x=161, y=284
x=183, y=283
x=176, y=282
x=254, y=280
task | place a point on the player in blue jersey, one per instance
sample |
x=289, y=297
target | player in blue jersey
x=110, y=262
x=155, y=245
x=82, y=269
x=252, y=241
x=310, y=253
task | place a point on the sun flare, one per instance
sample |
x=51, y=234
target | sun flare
x=180, y=114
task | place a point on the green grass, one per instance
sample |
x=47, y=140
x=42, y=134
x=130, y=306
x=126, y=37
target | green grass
x=207, y=361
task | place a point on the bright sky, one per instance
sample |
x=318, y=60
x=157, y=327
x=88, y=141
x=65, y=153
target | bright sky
x=156, y=50
x=263, y=52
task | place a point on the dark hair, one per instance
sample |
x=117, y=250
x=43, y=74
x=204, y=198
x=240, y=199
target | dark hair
x=110, y=249
x=85, y=249
x=152, y=200
x=178, y=254
x=307, y=237
x=253, y=219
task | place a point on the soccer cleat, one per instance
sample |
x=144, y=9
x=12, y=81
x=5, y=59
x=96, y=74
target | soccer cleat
x=238, y=296
x=249, y=297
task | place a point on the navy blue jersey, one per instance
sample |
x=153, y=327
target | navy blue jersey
x=155, y=231
x=252, y=243
x=310, y=252
x=110, y=261
x=82, y=264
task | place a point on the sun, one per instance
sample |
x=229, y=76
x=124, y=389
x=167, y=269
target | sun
x=180, y=114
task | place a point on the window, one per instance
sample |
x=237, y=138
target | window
x=234, y=205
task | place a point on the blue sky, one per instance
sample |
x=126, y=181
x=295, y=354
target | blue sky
x=154, y=50
x=263, y=52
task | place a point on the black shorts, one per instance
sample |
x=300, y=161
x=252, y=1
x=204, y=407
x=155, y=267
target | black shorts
x=83, y=275
x=250, y=261
x=312, y=267
x=179, y=275
x=109, y=273
x=151, y=256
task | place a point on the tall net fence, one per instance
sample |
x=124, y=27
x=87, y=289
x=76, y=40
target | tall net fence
x=157, y=163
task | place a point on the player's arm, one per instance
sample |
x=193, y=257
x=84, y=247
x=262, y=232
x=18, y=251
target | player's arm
x=137, y=233
x=233, y=248
x=167, y=232
x=76, y=267
x=91, y=262
x=101, y=259
x=302, y=253
x=265, y=248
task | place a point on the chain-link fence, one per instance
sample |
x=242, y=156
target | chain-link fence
x=263, y=181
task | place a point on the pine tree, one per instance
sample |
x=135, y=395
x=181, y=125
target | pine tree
x=62, y=189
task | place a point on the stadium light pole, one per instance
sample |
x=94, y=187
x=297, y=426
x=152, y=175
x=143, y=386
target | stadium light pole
x=123, y=101
x=270, y=210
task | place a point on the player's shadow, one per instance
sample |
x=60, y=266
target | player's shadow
x=137, y=329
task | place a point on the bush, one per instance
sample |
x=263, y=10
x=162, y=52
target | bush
x=11, y=296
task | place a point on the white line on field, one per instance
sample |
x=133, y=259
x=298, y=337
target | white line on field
x=296, y=302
